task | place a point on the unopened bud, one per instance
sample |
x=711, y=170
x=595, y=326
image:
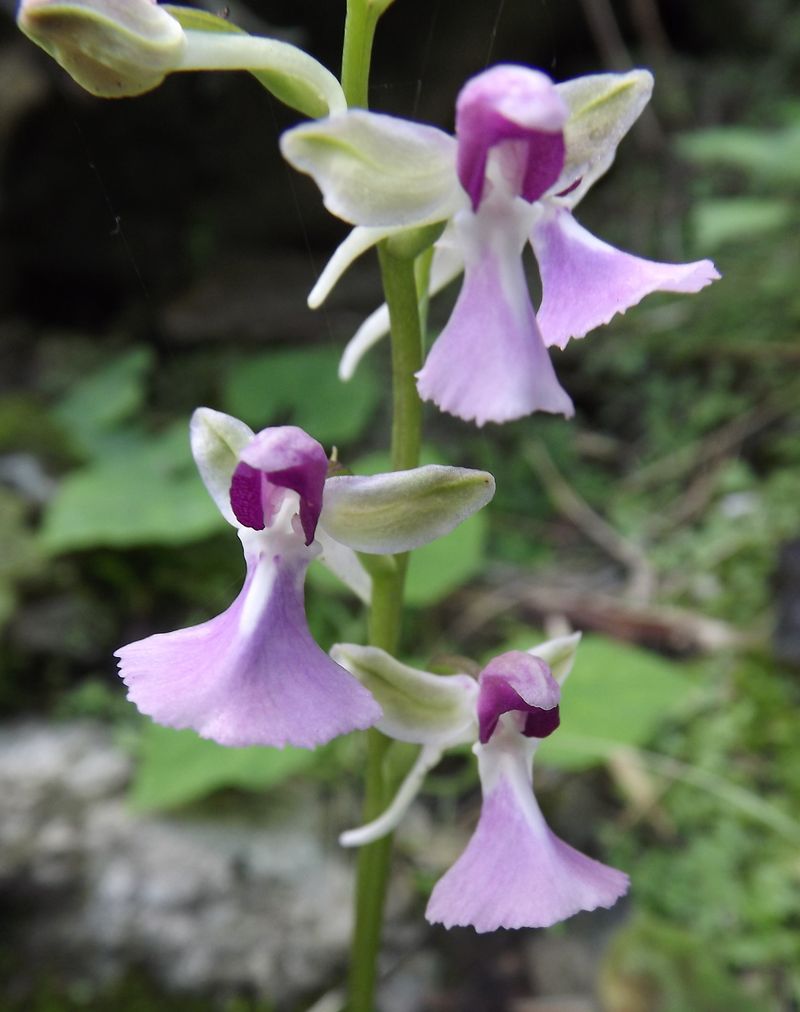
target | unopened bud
x=112, y=48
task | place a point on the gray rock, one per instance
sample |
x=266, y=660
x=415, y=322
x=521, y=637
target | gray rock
x=216, y=906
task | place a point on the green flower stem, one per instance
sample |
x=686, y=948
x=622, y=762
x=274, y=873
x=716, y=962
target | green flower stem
x=372, y=874
x=400, y=289
x=359, y=32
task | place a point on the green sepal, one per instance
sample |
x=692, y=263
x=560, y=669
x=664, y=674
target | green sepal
x=292, y=91
x=376, y=170
x=558, y=654
x=602, y=109
x=418, y=707
x=402, y=510
x=112, y=49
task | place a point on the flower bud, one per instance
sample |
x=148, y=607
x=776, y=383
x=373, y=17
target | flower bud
x=112, y=48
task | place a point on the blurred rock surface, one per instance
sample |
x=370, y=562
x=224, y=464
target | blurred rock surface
x=94, y=889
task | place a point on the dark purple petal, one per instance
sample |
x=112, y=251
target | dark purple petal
x=283, y=457
x=516, y=681
x=516, y=104
x=247, y=496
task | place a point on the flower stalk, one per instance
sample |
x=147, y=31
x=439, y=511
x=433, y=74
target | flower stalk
x=359, y=33
x=400, y=290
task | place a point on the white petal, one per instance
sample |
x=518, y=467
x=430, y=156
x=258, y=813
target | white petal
x=558, y=654
x=217, y=440
x=344, y=563
x=389, y=820
x=358, y=241
x=447, y=264
x=369, y=333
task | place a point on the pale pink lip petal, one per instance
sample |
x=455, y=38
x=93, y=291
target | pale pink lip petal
x=490, y=364
x=516, y=873
x=278, y=458
x=510, y=103
x=585, y=282
x=517, y=681
x=251, y=676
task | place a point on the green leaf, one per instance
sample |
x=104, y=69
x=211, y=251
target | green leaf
x=19, y=557
x=438, y=569
x=301, y=387
x=616, y=695
x=178, y=767
x=737, y=219
x=772, y=156
x=105, y=398
x=147, y=493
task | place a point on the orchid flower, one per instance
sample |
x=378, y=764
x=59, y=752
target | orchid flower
x=254, y=675
x=515, y=872
x=525, y=152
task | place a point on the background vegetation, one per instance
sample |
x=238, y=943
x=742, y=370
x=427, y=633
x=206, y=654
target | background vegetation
x=155, y=256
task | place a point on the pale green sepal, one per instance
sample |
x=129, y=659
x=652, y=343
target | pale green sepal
x=358, y=241
x=418, y=707
x=390, y=819
x=558, y=654
x=378, y=170
x=602, y=109
x=344, y=564
x=402, y=510
x=288, y=73
x=217, y=440
x=112, y=48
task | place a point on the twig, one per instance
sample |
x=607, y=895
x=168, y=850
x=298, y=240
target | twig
x=603, y=25
x=689, y=505
x=615, y=54
x=745, y=801
x=641, y=580
x=665, y=627
x=725, y=439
